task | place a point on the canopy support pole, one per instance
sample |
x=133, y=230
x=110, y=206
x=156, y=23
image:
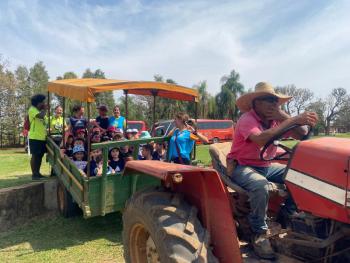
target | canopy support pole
x=88, y=138
x=64, y=122
x=154, y=110
x=195, y=119
x=154, y=94
x=126, y=110
x=49, y=111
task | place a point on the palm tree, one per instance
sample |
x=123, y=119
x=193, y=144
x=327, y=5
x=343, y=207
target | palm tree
x=203, y=99
x=232, y=83
x=231, y=88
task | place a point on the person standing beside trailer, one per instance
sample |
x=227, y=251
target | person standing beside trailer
x=57, y=125
x=182, y=140
x=37, y=133
x=117, y=120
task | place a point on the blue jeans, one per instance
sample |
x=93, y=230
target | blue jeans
x=256, y=180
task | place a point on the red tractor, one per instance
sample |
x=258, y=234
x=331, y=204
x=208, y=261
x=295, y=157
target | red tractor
x=199, y=215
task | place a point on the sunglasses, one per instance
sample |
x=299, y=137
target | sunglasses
x=270, y=99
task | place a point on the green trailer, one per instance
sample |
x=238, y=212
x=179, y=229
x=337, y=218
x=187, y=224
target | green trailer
x=100, y=195
x=96, y=195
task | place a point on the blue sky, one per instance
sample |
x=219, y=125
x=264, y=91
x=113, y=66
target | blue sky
x=305, y=43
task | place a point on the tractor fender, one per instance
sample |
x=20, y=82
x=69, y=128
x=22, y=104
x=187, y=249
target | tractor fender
x=202, y=188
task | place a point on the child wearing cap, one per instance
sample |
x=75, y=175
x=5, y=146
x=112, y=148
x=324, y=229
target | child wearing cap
x=115, y=161
x=78, y=157
x=129, y=134
x=135, y=133
x=80, y=134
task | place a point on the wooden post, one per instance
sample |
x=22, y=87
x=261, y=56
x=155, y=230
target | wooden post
x=104, y=181
x=49, y=111
x=88, y=139
x=64, y=122
x=154, y=94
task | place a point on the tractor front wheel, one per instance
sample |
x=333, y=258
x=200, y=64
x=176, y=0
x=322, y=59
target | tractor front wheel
x=159, y=226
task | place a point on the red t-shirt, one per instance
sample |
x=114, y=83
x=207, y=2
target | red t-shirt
x=244, y=150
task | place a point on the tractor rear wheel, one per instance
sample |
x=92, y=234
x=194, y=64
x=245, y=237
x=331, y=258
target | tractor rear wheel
x=66, y=206
x=158, y=226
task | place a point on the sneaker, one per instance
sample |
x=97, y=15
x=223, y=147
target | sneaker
x=262, y=247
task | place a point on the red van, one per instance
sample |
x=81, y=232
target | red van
x=139, y=125
x=215, y=130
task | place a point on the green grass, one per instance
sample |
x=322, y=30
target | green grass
x=55, y=239
x=15, y=167
x=202, y=154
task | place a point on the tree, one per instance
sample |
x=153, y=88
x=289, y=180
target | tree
x=300, y=100
x=69, y=102
x=203, y=107
x=23, y=87
x=319, y=107
x=333, y=105
x=38, y=78
x=70, y=75
x=225, y=102
x=342, y=122
x=231, y=88
x=103, y=98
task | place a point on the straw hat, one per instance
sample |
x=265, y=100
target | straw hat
x=244, y=103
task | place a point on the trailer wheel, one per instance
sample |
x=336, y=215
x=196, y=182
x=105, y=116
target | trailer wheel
x=66, y=206
x=158, y=226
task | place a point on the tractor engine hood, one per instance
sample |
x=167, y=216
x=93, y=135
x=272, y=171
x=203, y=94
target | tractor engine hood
x=318, y=177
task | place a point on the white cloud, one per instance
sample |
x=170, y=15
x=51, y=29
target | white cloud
x=187, y=41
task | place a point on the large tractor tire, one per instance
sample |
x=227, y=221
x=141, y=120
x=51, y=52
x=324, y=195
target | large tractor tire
x=159, y=226
x=65, y=203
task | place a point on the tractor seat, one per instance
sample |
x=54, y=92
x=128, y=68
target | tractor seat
x=218, y=153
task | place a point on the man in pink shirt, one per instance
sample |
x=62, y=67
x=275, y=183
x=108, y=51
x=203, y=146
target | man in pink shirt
x=262, y=119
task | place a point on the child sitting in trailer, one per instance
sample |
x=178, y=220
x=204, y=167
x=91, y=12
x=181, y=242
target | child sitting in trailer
x=111, y=131
x=95, y=138
x=159, y=152
x=115, y=161
x=80, y=133
x=99, y=167
x=93, y=164
x=78, y=157
x=69, y=146
x=126, y=153
x=135, y=133
x=129, y=135
x=79, y=141
x=146, y=152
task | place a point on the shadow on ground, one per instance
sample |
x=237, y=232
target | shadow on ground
x=58, y=233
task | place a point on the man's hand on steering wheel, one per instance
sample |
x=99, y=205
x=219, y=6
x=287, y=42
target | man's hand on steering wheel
x=307, y=118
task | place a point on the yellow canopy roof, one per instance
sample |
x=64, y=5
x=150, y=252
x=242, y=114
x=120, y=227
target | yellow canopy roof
x=84, y=89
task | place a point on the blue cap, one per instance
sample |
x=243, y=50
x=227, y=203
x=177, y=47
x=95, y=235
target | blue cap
x=78, y=148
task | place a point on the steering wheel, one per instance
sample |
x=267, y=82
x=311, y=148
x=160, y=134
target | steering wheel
x=275, y=141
